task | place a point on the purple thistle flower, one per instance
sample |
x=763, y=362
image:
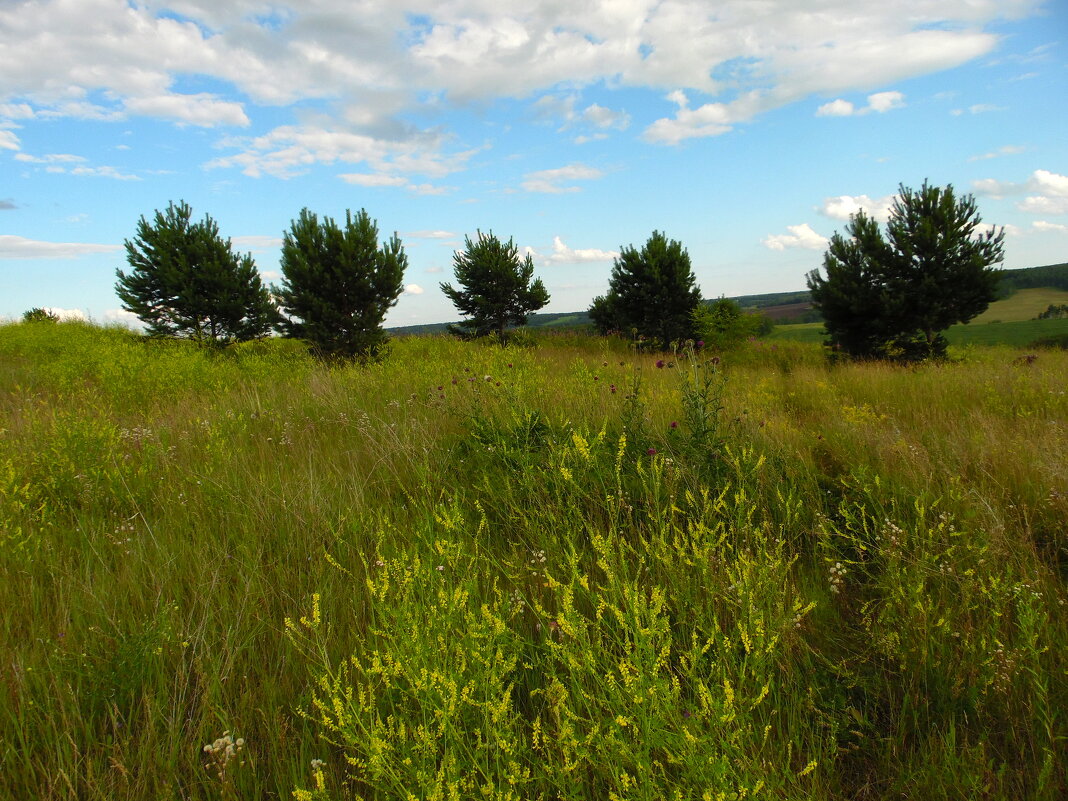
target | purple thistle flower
x=659, y=364
x=651, y=451
x=674, y=423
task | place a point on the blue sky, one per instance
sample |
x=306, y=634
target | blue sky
x=748, y=130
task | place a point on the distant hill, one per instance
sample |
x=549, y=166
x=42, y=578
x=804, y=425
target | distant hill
x=784, y=308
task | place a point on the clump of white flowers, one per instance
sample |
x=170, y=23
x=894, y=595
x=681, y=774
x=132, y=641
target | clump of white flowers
x=222, y=753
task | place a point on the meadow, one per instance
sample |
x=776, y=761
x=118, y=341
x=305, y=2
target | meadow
x=558, y=571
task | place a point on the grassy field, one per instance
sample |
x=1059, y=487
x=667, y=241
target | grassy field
x=1018, y=333
x=1023, y=304
x=557, y=572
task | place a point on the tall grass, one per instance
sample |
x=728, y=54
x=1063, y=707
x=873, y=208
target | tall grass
x=559, y=571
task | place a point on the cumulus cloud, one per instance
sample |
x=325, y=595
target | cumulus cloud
x=434, y=270
x=1042, y=225
x=67, y=314
x=103, y=59
x=800, y=236
x=204, y=110
x=123, y=317
x=413, y=289
x=562, y=254
x=843, y=207
x=836, y=108
x=1048, y=192
x=8, y=140
x=558, y=180
x=880, y=103
x=289, y=150
x=18, y=247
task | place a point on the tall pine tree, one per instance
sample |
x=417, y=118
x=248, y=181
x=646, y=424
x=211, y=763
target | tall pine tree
x=497, y=287
x=652, y=291
x=892, y=297
x=338, y=283
x=186, y=281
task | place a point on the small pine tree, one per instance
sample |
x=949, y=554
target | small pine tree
x=498, y=288
x=892, y=297
x=652, y=291
x=39, y=315
x=338, y=284
x=186, y=281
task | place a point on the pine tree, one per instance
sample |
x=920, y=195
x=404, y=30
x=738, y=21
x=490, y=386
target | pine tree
x=652, y=291
x=892, y=297
x=338, y=284
x=498, y=287
x=186, y=281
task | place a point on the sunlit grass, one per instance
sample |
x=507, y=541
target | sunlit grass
x=550, y=571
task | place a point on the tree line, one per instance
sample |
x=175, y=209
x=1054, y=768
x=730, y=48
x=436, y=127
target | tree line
x=880, y=296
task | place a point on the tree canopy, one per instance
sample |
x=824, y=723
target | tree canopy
x=186, y=281
x=652, y=291
x=338, y=283
x=892, y=296
x=497, y=288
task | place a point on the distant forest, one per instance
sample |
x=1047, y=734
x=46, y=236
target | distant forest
x=782, y=307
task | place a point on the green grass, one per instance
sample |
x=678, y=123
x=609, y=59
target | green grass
x=1014, y=334
x=554, y=571
x=1023, y=304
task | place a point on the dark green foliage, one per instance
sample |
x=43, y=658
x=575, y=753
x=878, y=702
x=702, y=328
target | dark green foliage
x=338, y=284
x=652, y=292
x=1051, y=275
x=892, y=297
x=498, y=288
x=722, y=324
x=1054, y=312
x=38, y=315
x=186, y=281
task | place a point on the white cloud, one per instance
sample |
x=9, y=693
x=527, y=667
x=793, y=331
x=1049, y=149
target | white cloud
x=270, y=275
x=434, y=270
x=552, y=181
x=289, y=150
x=1042, y=225
x=562, y=254
x=413, y=289
x=256, y=242
x=978, y=108
x=8, y=140
x=67, y=314
x=1007, y=150
x=123, y=317
x=1050, y=192
x=800, y=236
x=17, y=247
x=843, y=207
x=99, y=172
x=836, y=108
x=602, y=117
x=430, y=234
x=105, y=59
x=50, y=158
x=204, y=110
x=880, y=103
x=364, y=179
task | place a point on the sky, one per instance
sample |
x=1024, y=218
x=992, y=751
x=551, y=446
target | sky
x=748, y=130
